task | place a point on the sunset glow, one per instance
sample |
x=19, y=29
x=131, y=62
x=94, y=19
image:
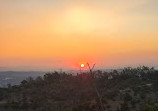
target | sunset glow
x=47, y=35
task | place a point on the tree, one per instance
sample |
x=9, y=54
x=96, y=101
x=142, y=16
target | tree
x=124, y=106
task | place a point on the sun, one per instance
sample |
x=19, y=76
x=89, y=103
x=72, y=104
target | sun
x=82, y=65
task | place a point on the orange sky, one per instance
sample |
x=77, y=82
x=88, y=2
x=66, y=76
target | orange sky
x=49, y=35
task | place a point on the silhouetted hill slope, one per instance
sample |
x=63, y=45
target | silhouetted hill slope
x=132, y=89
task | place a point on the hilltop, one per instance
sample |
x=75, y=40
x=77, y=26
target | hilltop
x=131, y=89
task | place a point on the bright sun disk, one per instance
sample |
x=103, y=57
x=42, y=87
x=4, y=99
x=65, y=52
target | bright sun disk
x=82, y=65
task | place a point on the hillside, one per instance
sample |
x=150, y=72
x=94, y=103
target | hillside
x=132, y=89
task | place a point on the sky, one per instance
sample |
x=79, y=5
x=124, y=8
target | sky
x=62, y=34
